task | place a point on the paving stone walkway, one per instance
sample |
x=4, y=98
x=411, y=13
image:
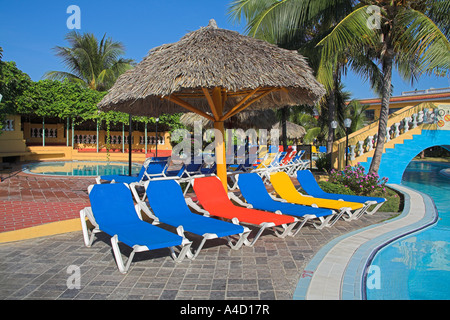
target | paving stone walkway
x=43, y=268
x=38, y=268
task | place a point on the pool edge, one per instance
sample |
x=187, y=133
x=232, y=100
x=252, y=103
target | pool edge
x=352, y=283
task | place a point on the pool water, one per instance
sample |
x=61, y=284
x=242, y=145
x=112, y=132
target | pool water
x=80, y=168
x=417, y=267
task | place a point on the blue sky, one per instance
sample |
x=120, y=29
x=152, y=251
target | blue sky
x=29, y=29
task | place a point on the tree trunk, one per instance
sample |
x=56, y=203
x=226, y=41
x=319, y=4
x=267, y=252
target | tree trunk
x=283, y=127
x=332, y=114
x=331, y=117
x=384, y=113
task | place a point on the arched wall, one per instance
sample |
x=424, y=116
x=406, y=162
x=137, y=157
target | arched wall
x=394, y=161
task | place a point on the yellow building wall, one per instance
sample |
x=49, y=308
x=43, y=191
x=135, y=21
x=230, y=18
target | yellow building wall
x=11, y=141
x=394, y=106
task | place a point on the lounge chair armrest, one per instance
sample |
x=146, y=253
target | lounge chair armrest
x=234, y=197
x=277, y=199
x=133, y=186
x=90, y=215
x=306, y=195
x=196, y=207
x=142, y=206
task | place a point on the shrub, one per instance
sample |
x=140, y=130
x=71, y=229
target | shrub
x=358, y=181
x=323, y=162
x=335, y=188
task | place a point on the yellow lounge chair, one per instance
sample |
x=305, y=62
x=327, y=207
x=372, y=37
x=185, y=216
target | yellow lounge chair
x=283, y=185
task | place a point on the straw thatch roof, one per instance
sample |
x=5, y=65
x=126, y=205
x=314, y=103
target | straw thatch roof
x=293, y=130
x=207, y=58
x=255, y=119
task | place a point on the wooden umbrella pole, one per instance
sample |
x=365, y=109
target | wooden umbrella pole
x=221, y=165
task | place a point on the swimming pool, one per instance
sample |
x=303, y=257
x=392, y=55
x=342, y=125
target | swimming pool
x=417, y=267
x=80, y=168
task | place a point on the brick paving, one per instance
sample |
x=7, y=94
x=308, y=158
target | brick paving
x=38, y=268
x=30, y=200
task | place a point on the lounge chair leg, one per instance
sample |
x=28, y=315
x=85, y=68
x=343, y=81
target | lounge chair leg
x=323, y=223
x=242, y=239
x=301, y=224
x=260, y=231
x=332, y=219
x=375, y=209
x=185, y=251
x=287, y=230
x=118, y=255
x=87, y=239
x=199, y=248
x=359, y=213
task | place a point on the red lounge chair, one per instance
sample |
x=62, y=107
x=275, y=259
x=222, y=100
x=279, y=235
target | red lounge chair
x=214, y=200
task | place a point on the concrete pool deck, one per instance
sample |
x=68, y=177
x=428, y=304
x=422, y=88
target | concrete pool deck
x=339, y=269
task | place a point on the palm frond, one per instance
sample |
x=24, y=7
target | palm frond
x=421, y=43
x=97, y=63
x=351, y=30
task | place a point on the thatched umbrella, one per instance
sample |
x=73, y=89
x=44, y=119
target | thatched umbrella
x=218, y=71
x=293, y=130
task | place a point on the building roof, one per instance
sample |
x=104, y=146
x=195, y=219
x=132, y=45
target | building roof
x=414, y=96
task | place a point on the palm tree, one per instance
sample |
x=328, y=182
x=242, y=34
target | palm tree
x=411, y=36
x=356, y=112
x=300, y=25
x=90, y=62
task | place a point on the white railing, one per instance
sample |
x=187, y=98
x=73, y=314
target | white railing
x=397, y=129
x=151, y=140
x=48, y=132
x=85, y=138
x=426, y=91
x=9, y=125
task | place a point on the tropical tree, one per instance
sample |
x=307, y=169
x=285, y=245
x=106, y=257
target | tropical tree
x=411, y=36
x=94, y=64
x=357, y=113
x=300, y=25
x=13, y=82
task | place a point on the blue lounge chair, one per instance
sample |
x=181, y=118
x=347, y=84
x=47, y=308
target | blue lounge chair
x=168, y=205
x=311, y=187
x=113, y=212
x=152, y=168
x=255, y=194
